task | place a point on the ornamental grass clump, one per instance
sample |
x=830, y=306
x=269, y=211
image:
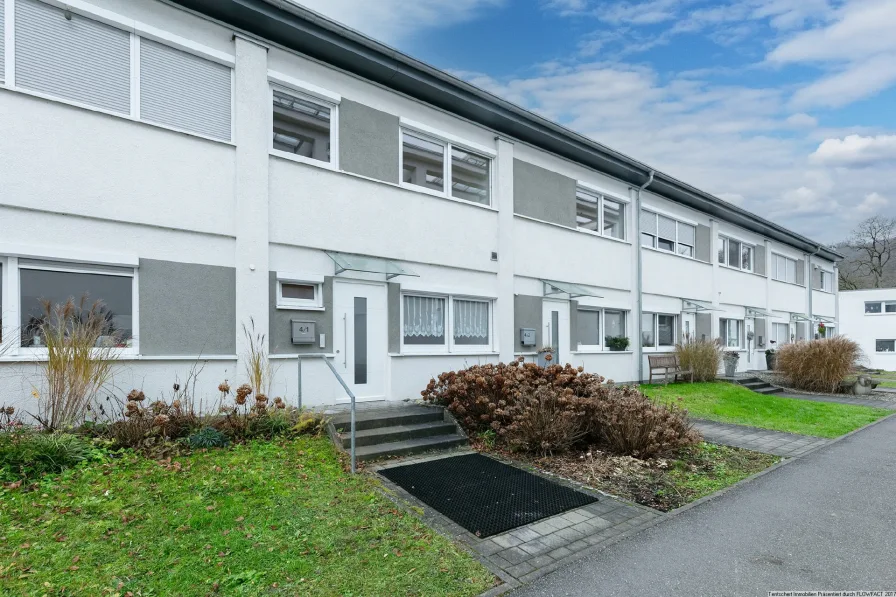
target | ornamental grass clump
x=818, y=365
x=703, y=357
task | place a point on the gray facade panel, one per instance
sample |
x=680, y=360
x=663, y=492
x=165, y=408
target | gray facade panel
x=801, y=272
x=543, y=194
x=368, y=142
x=281, y=322
x=527, y=314
x=186, y=309
x=394, y=314
x=761, y=332
x=703, y=251
x=573, y=325
x=816, y=279
x=703, y=327
x=759, y=265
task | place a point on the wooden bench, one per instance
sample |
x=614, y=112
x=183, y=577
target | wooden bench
x=665, y=365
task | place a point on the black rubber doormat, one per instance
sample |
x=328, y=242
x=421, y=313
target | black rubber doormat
x=483, y=495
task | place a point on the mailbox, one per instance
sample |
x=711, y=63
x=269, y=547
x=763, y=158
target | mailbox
x=304, y=332
x=527, y=336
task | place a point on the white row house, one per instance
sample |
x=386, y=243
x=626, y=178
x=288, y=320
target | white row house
x=869, y=318
x=198, y=165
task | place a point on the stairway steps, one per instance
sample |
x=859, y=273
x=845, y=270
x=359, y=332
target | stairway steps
x=391, y=417
x=397, y=433
x=408, y=447
x=759, y=386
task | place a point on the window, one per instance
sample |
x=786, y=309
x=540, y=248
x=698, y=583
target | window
x=780, y=334
x=731, y=332
x=590, y=321
x=598, y=213
x=43, y=285
x=429, y=322
x=876, y=307
x=825, y=281
x=667, y=234
x=784, y=269
x=614, y=324
x=423, y=165
x=588, y=327
x=303, y=126
x=735, y=253
x=295, y=293
x=885, y=346
x=658, y=330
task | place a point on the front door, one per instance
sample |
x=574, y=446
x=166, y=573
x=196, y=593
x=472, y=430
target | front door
x=359, y=327
x=555, y=325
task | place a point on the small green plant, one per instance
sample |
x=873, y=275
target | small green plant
x=208, y=437
x=29, y=454
x=489, y=438
x=617, y=343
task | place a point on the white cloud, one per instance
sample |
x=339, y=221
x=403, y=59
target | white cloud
x=856, y=151
x=872, y=204
x=802, y=120
x=394, y=20
x=860, y=80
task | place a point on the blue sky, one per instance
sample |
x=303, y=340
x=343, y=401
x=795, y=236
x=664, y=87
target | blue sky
x=785, y=107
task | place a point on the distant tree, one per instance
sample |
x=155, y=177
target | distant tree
x=872, y=243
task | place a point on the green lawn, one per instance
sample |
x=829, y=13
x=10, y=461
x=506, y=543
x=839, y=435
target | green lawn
x=729, y=403
x=262, y=519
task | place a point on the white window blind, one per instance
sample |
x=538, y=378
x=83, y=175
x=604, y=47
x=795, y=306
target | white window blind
x=666, y=228
x=648, y=222
x=687, y=234
x=184, y=91
x=79, y=59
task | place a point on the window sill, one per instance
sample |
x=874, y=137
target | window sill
x=445, y=354
x=301, y=355
x=672, y=254
x=442, y=195
x=797, y=284
x=128, y=117
x=741, y=270
x=601, y=352
x=570, y=228
x=303, y=160
x=299, y=308
x=603, y=236
x=42, y=358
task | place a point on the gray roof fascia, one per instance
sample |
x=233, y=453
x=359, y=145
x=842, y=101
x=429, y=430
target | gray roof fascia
x=311, y=34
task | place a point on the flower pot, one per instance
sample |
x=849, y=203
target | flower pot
x=770, y=361
x=730, y=367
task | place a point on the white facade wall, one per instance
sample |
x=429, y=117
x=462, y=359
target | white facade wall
x=81, y=185
x=869, y=328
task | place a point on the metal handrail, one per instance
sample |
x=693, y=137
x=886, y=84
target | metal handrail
x=351, y=395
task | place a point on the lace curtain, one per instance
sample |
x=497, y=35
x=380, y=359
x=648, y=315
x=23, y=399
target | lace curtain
x=470, y=319
x=424, y=316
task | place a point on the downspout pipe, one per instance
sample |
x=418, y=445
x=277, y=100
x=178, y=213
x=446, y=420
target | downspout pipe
x=639, y=277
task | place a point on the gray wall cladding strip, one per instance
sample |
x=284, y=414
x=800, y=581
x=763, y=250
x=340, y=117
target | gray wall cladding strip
x=281, y=322
x=184, y=91
x=703, y=252
x=760, y=261
x=703, y=327
x=79, y=59
x=394, y=308
x=186, y=309
x=527, y=314
x=544, y=195
x=368, y=141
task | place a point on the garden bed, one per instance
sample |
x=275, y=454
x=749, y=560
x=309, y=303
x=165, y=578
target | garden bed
x=887, y=380
x=731, y=403
x=660, y=483
x=268, y=517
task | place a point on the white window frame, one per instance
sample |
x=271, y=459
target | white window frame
x=676, y=332
x=774, y=340
x=138, y=30
x=447, y=143
x=876, y=340
x=449, y=346
x=601, y=197
x=12, y=292
x=317, y=304
x=740, y=332
x=313, y=95
x=727, y=240
x=826, y=276
x=655, y=235
x=600, y=330
x=776, y=275
x=883, y=308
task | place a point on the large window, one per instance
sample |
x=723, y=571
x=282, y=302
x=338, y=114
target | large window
x=877, y=307
x=780, y=334
x=595, y=326
x=66, y=55
x=658, y=330
x=424, y=165
x=442, y=322
x=735, y=253
x=731, y=331
x=43, y=287
x=666, y=234
x=600, y=214
x=784, y=269
x=303, y=126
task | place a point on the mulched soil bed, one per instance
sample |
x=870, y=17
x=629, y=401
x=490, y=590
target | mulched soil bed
x=660, y=483
x=779, y=380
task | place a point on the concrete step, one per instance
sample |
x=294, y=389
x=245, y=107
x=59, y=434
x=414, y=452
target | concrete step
x=388, y=417
x=396, y=433
x=749, y=380
x=755, y=385
x=411, y=446
x=769, y=390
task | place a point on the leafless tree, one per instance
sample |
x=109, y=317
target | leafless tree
x=873, y=241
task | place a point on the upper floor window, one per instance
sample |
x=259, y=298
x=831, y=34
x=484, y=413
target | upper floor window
x=825, y=281
x=783, y=269
x=735, y=253
x=600, y=214
x=303, y=126
x=666, y=234
x=874, y=307
x=438, y=166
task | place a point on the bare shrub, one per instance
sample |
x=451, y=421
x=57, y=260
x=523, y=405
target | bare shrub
x=258, y=365
x=547, y=421
x=703, y=357
x=82, y=348
x=628, y=422
x=818, y=365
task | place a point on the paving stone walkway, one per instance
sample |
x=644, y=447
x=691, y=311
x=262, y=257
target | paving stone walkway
x=889, y=403
x=533, y=550
x=789, y=445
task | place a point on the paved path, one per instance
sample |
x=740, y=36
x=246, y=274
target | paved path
x=888, y=403
x=778, y=443
x=824, y=521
